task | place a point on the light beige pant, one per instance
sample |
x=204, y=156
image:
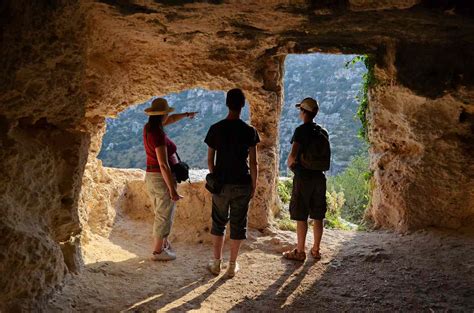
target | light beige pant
x=163, y=206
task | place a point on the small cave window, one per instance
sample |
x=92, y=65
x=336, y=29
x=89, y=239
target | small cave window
x=122, y=144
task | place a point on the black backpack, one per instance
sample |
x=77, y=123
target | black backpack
x=316, y=153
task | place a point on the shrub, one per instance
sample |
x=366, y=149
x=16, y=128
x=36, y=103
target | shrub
x=284, y=189
x=335, y=202
x=353, y=182
x=285, y=223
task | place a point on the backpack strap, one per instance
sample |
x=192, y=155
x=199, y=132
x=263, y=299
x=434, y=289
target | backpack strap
x=321, y=131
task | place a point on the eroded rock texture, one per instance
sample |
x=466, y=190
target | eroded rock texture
x=65, y=65
x=421, y=133
x=192, y=220
x=422, y=159
x=42, y=154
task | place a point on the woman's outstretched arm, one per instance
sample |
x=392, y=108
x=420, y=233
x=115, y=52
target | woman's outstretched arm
x=177, y=117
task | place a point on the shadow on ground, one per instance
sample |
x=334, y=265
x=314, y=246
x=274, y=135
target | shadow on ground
x=375, y=271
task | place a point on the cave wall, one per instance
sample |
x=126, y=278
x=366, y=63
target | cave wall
x=65, y=65
x=42, y=153
x=159, y=59
x=422, y=160
x=99, y=191
x=41, y=171
x=147, y=49
x=422, y=138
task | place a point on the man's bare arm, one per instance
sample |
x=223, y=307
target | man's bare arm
x=211, y=155
x=253, y=167
x=293, y=154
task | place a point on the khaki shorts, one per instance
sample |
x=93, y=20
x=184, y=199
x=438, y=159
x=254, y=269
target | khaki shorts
x=231, y=204
x=163, y=206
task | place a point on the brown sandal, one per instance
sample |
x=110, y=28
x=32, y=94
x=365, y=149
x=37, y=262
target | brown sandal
x=294, y=255
x=315, y=254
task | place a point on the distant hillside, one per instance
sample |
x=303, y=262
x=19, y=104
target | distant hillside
x=323, y=77
x=122, y=145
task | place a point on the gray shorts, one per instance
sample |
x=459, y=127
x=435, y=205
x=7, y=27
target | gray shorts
x=163, y=207
x=231, y=204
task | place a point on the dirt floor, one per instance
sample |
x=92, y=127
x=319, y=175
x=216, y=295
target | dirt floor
x=360, y=271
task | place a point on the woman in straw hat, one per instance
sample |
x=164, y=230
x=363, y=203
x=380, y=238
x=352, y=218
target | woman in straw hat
x=160, y=182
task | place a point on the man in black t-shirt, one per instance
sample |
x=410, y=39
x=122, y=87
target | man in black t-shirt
x=231, y=142
x=308, y=197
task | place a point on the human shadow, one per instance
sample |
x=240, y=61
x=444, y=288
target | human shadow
x=277, y=293
x=378, y=271
x=169, y=296
x=142, y=285
x=195, y=303
x=383, y=271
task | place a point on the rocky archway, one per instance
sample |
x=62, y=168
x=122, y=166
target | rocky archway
x=68, y=64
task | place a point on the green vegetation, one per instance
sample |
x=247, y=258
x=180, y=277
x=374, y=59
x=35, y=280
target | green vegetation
x=284, y=190
x=353, y=183
x=285, y=223
x=368, y=80
x=335, y=203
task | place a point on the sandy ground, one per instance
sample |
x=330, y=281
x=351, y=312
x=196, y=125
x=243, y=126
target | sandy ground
x=360, y=271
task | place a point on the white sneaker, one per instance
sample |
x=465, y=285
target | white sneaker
x=169, y=247
x=215, y=267
x=164, y=255
x=234, y=267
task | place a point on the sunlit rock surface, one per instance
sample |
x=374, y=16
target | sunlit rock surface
x=124, y=193
x=422, y=159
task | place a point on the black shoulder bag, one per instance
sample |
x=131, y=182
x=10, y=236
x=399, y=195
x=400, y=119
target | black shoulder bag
x=213, y=183
x=180, y=170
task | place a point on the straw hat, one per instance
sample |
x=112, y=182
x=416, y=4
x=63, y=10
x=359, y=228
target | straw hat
x=159, y=106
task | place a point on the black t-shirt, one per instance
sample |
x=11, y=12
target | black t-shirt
x=302, y=136
x=232, y=140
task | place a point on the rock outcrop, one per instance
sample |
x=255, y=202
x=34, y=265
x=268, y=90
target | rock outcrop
x=192, y=220
x=123, y=195
x=41, y=169
x=422, y=160
x=67, y=64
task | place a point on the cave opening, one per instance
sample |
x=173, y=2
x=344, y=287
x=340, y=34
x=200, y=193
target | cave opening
x=122, y=143
x=336, y=81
